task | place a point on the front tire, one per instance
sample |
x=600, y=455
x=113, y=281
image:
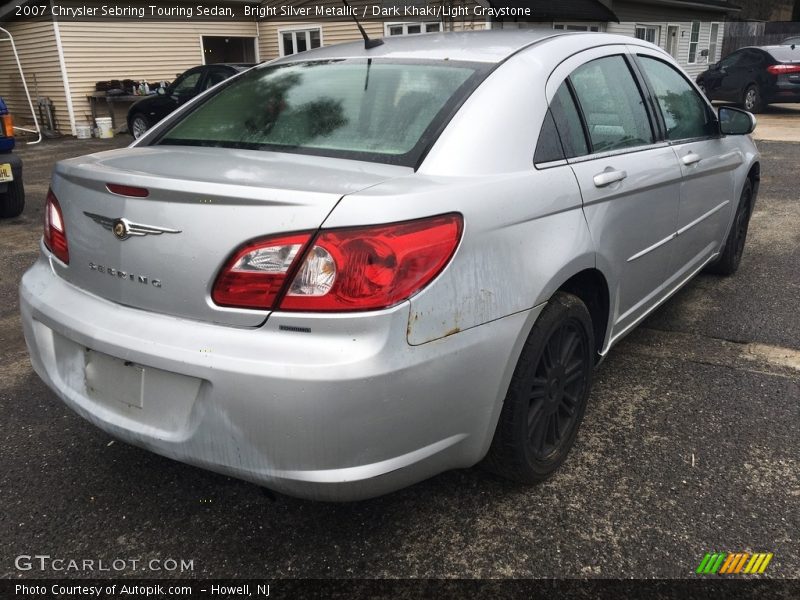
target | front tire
x=12, y=202
x=139, y=125
x=728, y=261
x=547, y=397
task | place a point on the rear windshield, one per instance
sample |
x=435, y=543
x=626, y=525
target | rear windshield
x=785, y=53
x=373, y=110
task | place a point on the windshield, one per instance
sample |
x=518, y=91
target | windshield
x=363, y=109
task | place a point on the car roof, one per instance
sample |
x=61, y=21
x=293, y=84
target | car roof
x=781, y=53
x=491, y=46
x=237, y=66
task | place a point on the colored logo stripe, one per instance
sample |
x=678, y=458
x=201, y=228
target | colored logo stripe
x=734, y=563
x=711, y=563
x=759, y=562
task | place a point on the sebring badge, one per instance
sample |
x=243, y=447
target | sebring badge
x=123, y=228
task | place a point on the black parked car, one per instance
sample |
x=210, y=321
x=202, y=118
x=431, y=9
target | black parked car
x=12, y=191
x=149, y=111
x=755, y=77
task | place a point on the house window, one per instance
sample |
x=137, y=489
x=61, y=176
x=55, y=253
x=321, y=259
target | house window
x=712, y=43
x=577, y=26
x=292, y=41
x=694, y=38
x=413, y=28
x=648, y=33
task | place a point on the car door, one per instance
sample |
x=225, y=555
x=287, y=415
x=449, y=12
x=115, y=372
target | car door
x=630, y=182
x=720, y=81
x=740, y=75
x=706, y=160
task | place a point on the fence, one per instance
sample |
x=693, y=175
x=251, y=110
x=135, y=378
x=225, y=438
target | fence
x=756, y=33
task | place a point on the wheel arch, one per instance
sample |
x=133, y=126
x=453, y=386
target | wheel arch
x=754, y=175
x=591, y=286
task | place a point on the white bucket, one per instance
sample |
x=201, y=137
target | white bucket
x=83, y=131
x=104, y=127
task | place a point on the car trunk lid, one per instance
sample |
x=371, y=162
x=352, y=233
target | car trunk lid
x=201, y=204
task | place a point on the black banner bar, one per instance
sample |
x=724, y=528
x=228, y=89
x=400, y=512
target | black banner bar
x=705, y=588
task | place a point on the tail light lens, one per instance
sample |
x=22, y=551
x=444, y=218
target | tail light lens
x=7, y=125
x=783, y=69
x=368, y=268
x=256, y=274
x=360, y=268
x=55, y=231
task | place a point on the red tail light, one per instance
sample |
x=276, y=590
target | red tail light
x=255, y=274
x=55, y=231
x=783, y=69
x=360, y=268
x=7, y=125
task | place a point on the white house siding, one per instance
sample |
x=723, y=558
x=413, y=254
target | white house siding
x=341, y=31
x=35, y=42
x=333, y=32
x=138, y=50
x=633, y=15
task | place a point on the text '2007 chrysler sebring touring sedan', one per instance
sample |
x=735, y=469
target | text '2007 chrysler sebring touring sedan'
x=351, y=269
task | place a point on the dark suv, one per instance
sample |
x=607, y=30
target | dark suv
x=12, y=192
x=754, y=77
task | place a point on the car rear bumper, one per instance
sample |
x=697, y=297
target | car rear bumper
x=332, y=408
x=788, y=96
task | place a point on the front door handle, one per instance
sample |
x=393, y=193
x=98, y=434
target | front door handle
x=690, y=159
x=608, y=177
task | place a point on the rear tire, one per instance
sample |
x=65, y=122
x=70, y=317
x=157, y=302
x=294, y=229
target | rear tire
x=752, y=100
x=12, y=202
x=728, y=262
x=547, y=397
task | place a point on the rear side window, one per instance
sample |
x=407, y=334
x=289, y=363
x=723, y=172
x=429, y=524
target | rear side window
x=612, y=104
x=568, y=122
x=549, y=147
x=374, y=110
x=685, y=113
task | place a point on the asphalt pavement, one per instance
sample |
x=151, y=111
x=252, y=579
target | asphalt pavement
x=690, y=445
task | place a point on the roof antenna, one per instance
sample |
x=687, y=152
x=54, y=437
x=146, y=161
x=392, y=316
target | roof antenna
x=368, y=43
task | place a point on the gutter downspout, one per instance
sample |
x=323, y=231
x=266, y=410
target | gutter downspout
x=65, y=77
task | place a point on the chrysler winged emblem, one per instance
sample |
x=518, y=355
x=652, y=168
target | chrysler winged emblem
x=123, y=228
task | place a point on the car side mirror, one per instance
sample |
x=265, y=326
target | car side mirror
x=161, y=91
x=735, y=121
x=714, y=67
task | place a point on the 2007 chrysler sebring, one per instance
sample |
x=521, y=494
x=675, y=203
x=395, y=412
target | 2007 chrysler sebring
x=351, y=269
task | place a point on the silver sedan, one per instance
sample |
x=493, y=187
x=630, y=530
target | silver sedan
x=351, y=269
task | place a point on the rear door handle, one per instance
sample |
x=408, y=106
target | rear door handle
x=690, y=159
x=608, y=177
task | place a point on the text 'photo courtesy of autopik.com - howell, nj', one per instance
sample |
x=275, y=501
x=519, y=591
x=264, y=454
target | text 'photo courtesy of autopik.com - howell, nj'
x=400, y=299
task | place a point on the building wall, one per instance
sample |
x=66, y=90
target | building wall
x=632, y=14
x=36, y=46
x=150, y=50
x=336, y=32
x=684, y=35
